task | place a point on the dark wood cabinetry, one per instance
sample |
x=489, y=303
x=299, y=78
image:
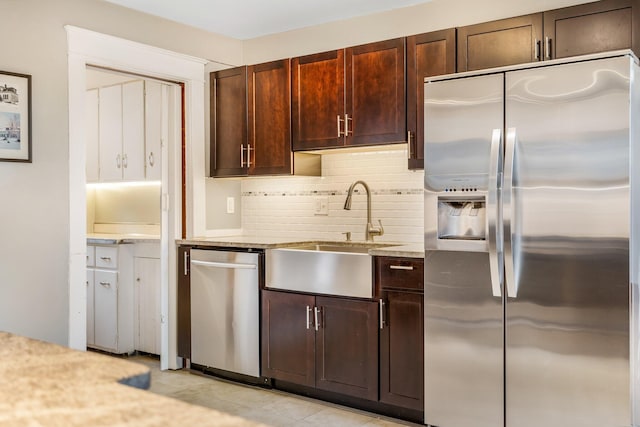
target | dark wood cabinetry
x=591, y=28
x=499, y=43
x=349, y=97
x=400, y=282
x=228, y=112
x=429, y=54
x=184, y=303
x=337, y=352
x=251, y=120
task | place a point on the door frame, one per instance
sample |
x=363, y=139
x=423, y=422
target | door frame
x=87, y=47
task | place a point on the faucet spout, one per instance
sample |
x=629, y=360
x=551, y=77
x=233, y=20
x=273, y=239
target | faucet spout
x=370, y=230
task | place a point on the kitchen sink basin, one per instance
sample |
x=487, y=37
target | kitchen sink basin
x=327, y=268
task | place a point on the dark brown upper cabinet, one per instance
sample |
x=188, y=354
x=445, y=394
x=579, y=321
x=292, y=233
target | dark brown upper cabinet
x=591, y=28
x=499, y=43
x=350, y=97
x=228, y=112
x=251, y=120
x=428, y=55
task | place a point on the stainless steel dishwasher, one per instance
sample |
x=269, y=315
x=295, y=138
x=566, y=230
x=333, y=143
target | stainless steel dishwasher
x=225, y=309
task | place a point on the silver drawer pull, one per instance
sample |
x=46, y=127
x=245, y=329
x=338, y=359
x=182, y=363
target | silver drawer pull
x=401, y=267
x=105, y=258
x=106, y=284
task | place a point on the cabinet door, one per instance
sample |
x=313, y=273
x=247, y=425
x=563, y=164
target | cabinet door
x=500, y=43
x=147, y=304
x=93, y=135
x=106, y=309
x=269, y=88
x=375, y=93
x=347, y=347
x=110, y=147
x=429, y=54
x=228, y=114
x=90, y=311
x=590, y=28
x=318, y=100
x=184, y=303
x=153, y=107
x=133, y=131
x=288, y=337
x=401, y=350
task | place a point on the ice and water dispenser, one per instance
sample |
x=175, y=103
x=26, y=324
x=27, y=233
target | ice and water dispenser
x=462, y=219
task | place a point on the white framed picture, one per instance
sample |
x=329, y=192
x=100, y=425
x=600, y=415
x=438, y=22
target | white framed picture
x=15, y=117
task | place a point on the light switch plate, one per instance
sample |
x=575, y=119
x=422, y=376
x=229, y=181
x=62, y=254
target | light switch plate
x=231, y=205
x=321, y=206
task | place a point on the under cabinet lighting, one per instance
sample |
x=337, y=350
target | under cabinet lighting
x=124, y=184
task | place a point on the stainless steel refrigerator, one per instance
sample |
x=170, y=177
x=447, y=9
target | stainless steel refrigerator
x=530, y=264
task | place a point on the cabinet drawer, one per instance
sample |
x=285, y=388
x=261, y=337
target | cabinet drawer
x=106, y=256
x=91, y=256
x=399, y=273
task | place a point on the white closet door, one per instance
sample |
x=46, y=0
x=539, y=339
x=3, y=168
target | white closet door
x=110, y=146
x=133, y=131
x=90, y=314
x=93, y=136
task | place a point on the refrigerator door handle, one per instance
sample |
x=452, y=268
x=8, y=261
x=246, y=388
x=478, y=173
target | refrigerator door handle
x=508, y=213
x=494, y=214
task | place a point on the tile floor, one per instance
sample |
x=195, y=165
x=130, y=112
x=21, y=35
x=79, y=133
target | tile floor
x=271, y=407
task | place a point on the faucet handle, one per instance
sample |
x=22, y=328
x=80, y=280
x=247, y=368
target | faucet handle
x=375, y=231
x=381, y=228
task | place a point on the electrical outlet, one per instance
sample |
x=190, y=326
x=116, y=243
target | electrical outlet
x=231, y=205
x=321, y=206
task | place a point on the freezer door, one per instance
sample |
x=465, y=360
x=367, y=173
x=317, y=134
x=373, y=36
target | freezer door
x=463, y=347
x=566, y=217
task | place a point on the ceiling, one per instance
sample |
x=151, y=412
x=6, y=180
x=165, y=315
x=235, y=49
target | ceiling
x=246, y=19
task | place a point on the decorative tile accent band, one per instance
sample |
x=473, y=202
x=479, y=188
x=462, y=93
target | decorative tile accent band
x=387, y=192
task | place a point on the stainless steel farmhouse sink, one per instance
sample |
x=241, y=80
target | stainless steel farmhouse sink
x=330, y=268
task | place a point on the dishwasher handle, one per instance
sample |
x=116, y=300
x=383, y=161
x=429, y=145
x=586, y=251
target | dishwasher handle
x=216, y=264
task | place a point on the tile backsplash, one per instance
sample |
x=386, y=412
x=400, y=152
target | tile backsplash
x=287, y=206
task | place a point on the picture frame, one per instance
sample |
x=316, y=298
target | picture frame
x=15, y=117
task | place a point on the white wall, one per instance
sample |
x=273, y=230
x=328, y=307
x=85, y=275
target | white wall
x=34, y=225
x=435, y=15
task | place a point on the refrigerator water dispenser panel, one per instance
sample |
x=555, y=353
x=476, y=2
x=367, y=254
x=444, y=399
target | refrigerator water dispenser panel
x=461, y=219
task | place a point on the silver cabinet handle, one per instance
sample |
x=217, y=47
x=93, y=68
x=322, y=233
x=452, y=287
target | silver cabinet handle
x=409, y=150
x=338, y=120
x=494, y=214
x=106, y=284
x=125, y=161
x=508, y=213
x=401, y=267
x=242, y=155
x=118, y=161
x=346, y=125
x=249, y=155
x=106, y=258
x=547, y=48
x=536, y=44
x=151, y=159
x=316, y=315
x=186, y=263
x=381, y=306
x=308, y=317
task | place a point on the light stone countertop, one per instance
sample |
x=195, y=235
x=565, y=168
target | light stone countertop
x=47, y=385
x=257, y=242
x=116, y=239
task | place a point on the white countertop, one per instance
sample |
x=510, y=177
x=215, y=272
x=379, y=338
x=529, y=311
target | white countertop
x=115, y=239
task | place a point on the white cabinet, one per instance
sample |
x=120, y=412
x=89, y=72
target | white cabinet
x=110, y=308
x=129, y=132
x=153, y=101
x=147, y=304
x=92, y=135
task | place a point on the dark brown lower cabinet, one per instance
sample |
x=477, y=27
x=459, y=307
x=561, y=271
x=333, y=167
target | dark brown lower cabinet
x=184, y=303
x=338, y=353
x=401, y=350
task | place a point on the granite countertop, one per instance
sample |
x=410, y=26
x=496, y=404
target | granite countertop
x=44, y=384
x=257, y=242
x=116, y=239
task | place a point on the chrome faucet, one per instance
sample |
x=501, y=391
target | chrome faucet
x=370, y=230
